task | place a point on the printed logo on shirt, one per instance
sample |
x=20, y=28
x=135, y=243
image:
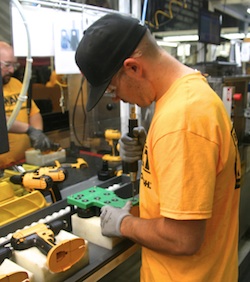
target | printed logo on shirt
x=10, y=102
x=145, y=174
x=145, y=162
x=237, y=164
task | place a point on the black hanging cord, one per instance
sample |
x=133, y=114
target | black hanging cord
x=79, y=95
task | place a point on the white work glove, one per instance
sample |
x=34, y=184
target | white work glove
x=38, y=139
x=131, y=148
x=111, y=219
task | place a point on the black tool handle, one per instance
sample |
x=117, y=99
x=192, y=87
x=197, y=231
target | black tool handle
x=5, y=252
x=132, y=123
x=131, y=167
x=57, y=225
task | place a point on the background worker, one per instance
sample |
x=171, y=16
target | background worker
x=189, y=183
x=26, y=131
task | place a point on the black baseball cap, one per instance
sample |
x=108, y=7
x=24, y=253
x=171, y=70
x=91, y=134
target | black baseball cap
x=103, y=48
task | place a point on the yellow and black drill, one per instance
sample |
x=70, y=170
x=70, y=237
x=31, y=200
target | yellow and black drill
x=43, y=178
x=60, y=257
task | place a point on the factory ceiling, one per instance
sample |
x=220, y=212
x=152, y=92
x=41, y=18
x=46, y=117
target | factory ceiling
x=164, y=16
x=234, y=9
x=182, y=15
x=171, y=15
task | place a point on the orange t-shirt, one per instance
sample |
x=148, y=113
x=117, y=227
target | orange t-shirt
x=18, y=143
x=188, y=173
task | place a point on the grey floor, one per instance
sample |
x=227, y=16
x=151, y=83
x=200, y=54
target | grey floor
x=244, y=259
x=127, y=271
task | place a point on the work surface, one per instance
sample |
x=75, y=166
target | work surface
x=99, y=257
x=101, y=260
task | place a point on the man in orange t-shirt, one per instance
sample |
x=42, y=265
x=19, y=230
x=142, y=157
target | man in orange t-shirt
x=190, y=173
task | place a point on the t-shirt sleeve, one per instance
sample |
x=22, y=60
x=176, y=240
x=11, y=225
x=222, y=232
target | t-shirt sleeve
x=186, y=172
x=34, y=108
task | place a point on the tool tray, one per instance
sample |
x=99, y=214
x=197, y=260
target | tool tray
x=21, y=206
x=16, y=202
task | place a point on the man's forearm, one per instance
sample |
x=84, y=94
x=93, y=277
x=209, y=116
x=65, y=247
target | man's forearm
x=36, y=121
x=19, y=127
x=173, y=237
x=22, y=127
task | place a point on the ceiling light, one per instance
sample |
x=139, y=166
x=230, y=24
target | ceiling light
x=248, y=10
x=232, y=36
x=167, y=44
x=181, y=38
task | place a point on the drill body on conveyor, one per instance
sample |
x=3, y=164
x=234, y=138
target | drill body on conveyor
x=43, y=178
x=60, y=257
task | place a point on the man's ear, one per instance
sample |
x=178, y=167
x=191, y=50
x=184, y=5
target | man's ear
x=132, y=67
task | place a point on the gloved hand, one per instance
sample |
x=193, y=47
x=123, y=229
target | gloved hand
x=111, y=219
x=131, y=148
x=38, y=139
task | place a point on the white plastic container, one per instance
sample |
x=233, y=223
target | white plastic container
x=36, y=157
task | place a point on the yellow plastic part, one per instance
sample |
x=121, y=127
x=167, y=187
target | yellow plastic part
x=19, y=276
x=65, y=254
x=7, y=193
x=79, y=164
x=110, y=158
x=12, y=207
x=28, y=167
x=40, y=229
x=18, y=190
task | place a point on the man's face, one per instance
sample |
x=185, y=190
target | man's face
x=8, y=64
x=130, y=90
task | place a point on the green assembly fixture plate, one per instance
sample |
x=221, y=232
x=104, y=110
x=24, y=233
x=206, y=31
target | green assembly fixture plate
x=98, y=197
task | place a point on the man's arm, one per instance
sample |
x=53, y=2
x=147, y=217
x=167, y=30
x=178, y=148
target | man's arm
x=34, y=130
x=36, y=121
x=18, y=127
x=164, y=235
